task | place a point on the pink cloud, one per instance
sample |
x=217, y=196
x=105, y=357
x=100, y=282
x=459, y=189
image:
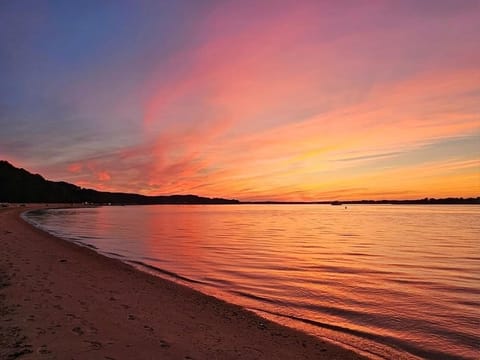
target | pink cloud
x=75, y=168
x=103, y=176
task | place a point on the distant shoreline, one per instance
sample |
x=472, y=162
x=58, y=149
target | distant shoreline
x=431, y=201
x=20, y=186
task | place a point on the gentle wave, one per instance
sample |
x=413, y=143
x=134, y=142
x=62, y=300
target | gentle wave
x=164, y=272
x=414, y=350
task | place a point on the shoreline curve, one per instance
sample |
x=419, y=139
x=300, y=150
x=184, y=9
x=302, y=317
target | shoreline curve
x=59, y=299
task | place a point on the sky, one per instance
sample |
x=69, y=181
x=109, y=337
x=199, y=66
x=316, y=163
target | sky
x=254, y=100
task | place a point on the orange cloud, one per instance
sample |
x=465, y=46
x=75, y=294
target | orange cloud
x=103, y=176
x=75, y=168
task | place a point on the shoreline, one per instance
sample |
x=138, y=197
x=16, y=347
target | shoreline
x=60, y=300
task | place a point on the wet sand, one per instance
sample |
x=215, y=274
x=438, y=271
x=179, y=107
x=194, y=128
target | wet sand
x=62, y=301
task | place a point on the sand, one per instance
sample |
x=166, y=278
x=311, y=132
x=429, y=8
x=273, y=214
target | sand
x=62, y=301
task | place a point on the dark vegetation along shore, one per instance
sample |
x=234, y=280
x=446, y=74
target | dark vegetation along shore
x=20, y=186
x=424, y=201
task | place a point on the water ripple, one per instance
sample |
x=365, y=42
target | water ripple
x=398, y=278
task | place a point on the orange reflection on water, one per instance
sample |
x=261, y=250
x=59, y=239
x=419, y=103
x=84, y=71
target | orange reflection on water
x=375, y=277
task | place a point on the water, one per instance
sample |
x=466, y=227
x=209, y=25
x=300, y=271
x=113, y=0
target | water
x=387, y=281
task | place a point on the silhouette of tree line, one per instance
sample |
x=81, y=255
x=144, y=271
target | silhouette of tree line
x=20, y=186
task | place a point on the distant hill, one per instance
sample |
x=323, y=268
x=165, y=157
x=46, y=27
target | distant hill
x=20, y=186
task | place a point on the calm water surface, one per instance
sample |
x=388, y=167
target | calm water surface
x=388, y=281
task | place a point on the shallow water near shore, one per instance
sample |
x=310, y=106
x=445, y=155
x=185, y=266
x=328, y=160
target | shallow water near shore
x=388, y=281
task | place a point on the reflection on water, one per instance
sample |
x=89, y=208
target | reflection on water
x=392, y=281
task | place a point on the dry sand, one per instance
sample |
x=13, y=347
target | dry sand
x=62, y=301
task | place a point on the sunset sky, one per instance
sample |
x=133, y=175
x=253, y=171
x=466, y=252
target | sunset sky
x=254, y=100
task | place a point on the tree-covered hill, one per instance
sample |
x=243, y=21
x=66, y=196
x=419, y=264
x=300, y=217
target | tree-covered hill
x=20, y=186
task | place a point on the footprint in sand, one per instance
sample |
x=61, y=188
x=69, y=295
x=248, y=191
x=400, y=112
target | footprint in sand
x=164, y=344
x=72, y=316
x=149, y=328
x=43, y=350
x=78, y=330
x=94, y=345
x=92, y=330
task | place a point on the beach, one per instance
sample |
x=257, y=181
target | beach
x=59, y=300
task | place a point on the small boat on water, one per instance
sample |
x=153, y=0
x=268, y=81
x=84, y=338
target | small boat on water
x=336, y=203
